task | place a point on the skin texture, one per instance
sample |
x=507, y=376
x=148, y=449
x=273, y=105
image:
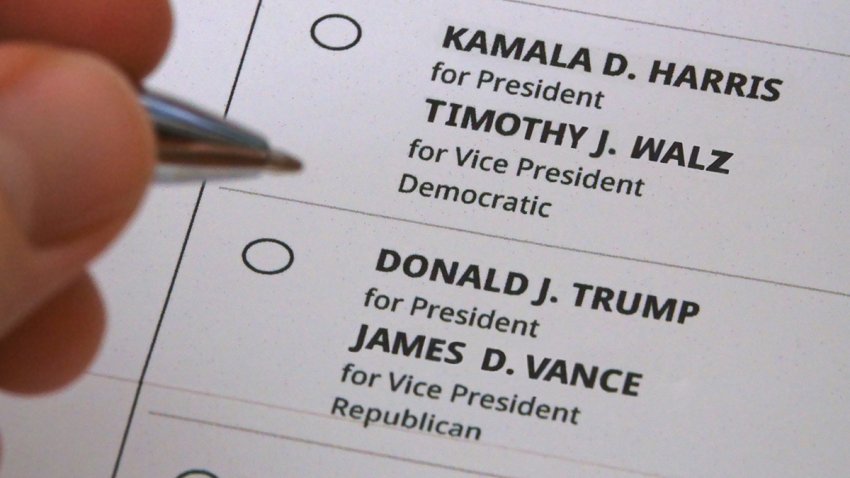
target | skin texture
x=76, y=154
x=132, y=34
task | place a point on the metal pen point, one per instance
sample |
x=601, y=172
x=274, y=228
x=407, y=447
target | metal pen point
x=196, y=145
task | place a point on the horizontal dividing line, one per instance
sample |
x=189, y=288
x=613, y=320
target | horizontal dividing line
x=298, y=411
x=332, y=446
x=202, y=393
x=546, y=245
x=678, y=28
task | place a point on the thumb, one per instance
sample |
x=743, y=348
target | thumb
x=76, y=151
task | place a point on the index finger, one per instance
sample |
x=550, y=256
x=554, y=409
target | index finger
x=132, y=33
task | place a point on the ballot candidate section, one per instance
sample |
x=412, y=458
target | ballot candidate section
x=527, y=242
x=600, y=135
x=426, y=344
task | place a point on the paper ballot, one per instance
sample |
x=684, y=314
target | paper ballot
x=531, y=239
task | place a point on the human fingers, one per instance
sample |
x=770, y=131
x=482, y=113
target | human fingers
x=76, y=152
x=56, y=343
x=131, y=33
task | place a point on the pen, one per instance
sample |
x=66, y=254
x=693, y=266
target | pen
x=196, y=145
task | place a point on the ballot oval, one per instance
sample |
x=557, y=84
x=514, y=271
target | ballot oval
x=268, y=256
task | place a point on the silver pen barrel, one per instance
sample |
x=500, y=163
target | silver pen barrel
x=194, y=144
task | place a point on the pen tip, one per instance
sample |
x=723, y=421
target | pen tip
x=283, y=162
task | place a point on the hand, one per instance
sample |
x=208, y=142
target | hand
x=76, y=152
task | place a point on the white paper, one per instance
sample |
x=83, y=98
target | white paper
x=744, y=241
